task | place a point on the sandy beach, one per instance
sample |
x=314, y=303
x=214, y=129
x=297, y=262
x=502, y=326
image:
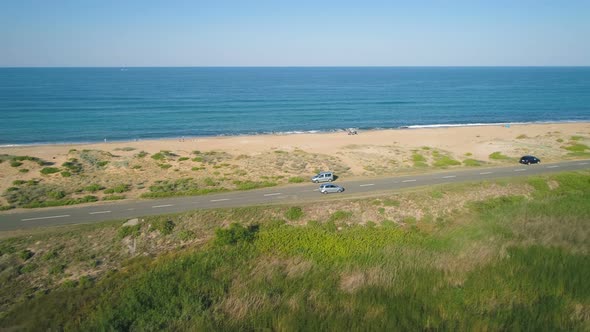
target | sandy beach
x=225, y=161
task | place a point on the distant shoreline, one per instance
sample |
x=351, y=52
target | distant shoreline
x=296, y=132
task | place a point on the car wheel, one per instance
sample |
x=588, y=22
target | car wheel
x=324, y=192
x=341, y=190
x=330, y=180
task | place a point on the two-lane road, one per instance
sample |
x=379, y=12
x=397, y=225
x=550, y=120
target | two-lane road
x=13, y=220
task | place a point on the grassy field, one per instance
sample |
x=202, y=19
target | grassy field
x=504, y=255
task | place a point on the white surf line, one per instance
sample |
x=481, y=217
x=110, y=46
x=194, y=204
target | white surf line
x=553, y=166
x=366, y=185
x=219, y=200
x=484, y=173
x=99, y=212
x=50, y=217
x=413, y=180
x=160, y=206
x=520, y=170
x=273, y=194
x=449, y=176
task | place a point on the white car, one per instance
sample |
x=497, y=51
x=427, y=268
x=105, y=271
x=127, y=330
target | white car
x=323, y=177
x=330, y=188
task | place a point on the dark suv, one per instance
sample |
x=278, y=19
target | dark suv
x=527, y=160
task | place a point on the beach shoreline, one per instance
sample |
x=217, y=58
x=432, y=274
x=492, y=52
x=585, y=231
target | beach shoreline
x=291, y=133
x=244, y=162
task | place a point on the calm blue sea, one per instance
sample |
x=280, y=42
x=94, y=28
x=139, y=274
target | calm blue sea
x=59, y=105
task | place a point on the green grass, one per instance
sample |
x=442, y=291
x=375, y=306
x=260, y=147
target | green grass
x=179, y=187
x=296, y=179
x=578, y=147
x=506, y=263
x=419, y=160
x=294, y=213
x=120, y=188
x=498, y=156
x=15, y=163
x=249, y=185
x=471, y=162
x=93, y=188
x=446, y=161
x=113, y=197
x=576, y=138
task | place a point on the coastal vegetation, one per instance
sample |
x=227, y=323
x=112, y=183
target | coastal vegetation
x=496, y=255
x=216, y=170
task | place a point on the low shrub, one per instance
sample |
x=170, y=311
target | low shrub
x=93, y=188
x=141, y=154
x=25, y=254
x=235, y=233
x=126, y=231
x=121, y=188
x=66, y=174
x=185, y=235
x=249, y=185
x=164, y=226
x=23, y=170
x=471, y=162
x=498, y=156
x=294, y=213
x=183, y=158
x=445, y=161
x=113, y=197
x=49, y=170
x=15, y=163
x=296, y=179
x=73, y=165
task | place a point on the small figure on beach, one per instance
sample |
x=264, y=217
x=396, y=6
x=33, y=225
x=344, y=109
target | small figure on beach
x=351, y=131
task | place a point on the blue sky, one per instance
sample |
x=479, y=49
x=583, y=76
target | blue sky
x=294, y=33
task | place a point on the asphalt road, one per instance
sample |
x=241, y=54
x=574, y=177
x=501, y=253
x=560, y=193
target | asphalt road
x=12, y=220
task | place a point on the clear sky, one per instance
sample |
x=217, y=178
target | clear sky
x=294, y=33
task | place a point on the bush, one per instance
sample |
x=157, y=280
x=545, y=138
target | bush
x=185, y=235
x=15, y=163
x=141, y=154
x=471, y=162
x=164, y=226
x=294, y=213
x=577, y=147
x=126, y=231
x=210, y=182
x=127, y=148
x=164, y=166
x=121, y=188
x=249, y=185
x=93, y=188
x=340, y=215
x=498, y=156
x=49, y=170
x=66, y=174
x=18, y=182
x=23, y=170
x=25, y=254
x=235, y=233
x=445, y=161
x=73, y=165
x=183, y=158
x=102, y=163
x=113, y=197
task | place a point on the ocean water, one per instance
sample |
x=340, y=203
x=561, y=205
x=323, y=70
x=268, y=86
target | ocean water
x=60, y=105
